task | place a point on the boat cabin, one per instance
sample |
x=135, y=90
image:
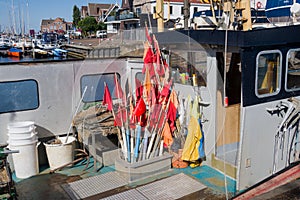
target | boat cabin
x=246, y=83
x=250, y=83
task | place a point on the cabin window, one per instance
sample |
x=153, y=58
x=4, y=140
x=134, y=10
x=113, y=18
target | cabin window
x=189, y=68
x=268, y=73
x=293, y=70
x=140, y=76
x=18, y=96
x=95, y=86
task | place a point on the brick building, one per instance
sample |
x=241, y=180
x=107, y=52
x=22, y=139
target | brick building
x=55, y=25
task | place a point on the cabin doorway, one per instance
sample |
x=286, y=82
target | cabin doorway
x=228, y=112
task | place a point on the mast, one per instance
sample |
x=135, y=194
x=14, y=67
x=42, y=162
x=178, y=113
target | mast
x=13, y=17
x=186, y=14
x=20, y=20
x=27, y=13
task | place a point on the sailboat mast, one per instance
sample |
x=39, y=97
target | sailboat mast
x=13, y=16
x=20, y=20
x=27, y=13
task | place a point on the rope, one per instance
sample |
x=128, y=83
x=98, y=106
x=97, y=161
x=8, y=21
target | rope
x=224, y=91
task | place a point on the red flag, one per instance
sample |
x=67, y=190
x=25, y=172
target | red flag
x=147, y=34
x=154, y=94
x=154, y=117
x=107, y=98
x=143, y=119
x=118, y=90
x=159, y=66
x=140, y=108
x=120, y=117
x=172, y=112
x=148, y=60
x=166, y=89
x=138, y=89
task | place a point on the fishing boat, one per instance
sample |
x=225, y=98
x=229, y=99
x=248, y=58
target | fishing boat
x=205, y=113
x=4, y=43
x=39, y=53
x=59, y=52
x=282, y=12
x=14, y=52
x=46, y=41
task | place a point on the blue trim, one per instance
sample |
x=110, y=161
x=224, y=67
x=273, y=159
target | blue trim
x=278, y=12
x=279, y=8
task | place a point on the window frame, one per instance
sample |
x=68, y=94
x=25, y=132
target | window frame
x=36, y=92
x=101, y=98
x=279, y=73
x=286, y=71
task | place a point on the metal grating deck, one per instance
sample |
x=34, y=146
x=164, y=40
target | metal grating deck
x=95, y=185
x=173, y=187
x=132, y=194
x=170, y=188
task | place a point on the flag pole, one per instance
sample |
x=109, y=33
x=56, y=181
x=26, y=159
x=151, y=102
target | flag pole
x=78, y=105
x=146, y=135
x=114, y=116
x=160, y=130
x=122, y=121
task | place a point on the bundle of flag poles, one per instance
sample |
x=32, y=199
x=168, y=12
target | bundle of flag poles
x=146, y=116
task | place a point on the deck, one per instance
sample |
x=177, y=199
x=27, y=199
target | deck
x=209, y=184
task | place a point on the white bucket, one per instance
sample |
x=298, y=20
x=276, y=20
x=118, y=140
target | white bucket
x=21, y=131
x=21, y=135
x=60, y=154
x=26, y=161
x=18, y=127
x=22, y=140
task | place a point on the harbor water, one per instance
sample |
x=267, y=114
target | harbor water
x=27, y=59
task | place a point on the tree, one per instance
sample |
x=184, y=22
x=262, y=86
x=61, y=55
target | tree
x=76, y=16
x=101, y=26
x=88, y=24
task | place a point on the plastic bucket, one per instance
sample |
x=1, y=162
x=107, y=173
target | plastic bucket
x=26, y=161
x=21, y=131
x=22, y=140
x=18, y=127
x=60, y=154
x=21, y=135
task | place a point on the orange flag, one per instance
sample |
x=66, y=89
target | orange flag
x=147, y=85
x=167, y=135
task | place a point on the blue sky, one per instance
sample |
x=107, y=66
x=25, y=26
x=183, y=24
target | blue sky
x=38, y=10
